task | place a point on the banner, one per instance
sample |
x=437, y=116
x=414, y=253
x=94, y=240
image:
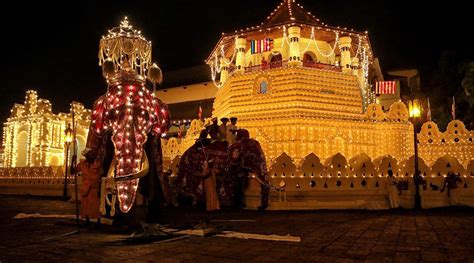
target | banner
x=385, y=87
x=259, y=46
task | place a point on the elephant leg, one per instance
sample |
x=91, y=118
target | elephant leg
x=239, y=193
x=264, y=193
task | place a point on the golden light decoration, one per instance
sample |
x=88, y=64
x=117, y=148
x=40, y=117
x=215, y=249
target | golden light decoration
x=123, y=43
x=108, y=68
x=154, y=74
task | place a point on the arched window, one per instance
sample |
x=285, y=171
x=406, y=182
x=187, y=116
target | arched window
x=307, y=58
x=275, y=61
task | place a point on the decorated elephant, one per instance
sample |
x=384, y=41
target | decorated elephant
x=190, y=179
x=236, y=164
x=247, y=160
x=128, y=115
x=128, y=120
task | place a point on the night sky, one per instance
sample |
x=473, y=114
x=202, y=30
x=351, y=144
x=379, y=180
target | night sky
x=53, y=48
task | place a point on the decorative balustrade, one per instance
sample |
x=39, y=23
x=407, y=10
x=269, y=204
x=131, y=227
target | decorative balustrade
x=46, y=172
x=358, y=183
x=282, y=64
x=323, y=66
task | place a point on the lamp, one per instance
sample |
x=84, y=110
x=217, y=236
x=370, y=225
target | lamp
x=67, y=141
x=414, y=110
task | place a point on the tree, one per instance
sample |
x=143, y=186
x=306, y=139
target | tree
x=453, y=78
x=468, y=82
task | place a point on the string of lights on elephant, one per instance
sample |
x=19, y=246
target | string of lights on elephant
x=128, y=110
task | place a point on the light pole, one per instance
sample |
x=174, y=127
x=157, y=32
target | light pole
x=414, y=110
x=67, y=142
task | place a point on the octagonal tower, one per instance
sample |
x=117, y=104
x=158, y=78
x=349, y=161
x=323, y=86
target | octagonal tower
x=300, y=86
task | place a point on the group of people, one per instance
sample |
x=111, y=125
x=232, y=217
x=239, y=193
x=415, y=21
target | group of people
x=225, y=135
x=394, y=188
x=224, y=132
x=210, y=170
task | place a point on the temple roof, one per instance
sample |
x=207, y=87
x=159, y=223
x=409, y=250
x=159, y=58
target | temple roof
x=290, y=11
x=287, y=13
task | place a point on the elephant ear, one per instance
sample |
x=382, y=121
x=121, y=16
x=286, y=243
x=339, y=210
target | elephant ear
x=163, y=120
x=96, y=130
x=98, y=116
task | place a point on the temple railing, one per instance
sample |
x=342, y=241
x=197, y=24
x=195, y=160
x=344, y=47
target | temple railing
x=267, y=66
x=283, y=64
x=44, y=172
x=323, y=66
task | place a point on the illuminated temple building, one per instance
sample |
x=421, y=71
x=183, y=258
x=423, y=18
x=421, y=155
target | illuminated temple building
x=33, y=135
x=300, y=86
x=308, y=92
x=314, y=97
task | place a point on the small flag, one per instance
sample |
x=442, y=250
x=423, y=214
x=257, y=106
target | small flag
x=260, y=46
x=453, y=109
x=385, y=87
x=428, y=114
x=200, y=112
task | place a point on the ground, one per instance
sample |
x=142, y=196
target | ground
x=440, y=235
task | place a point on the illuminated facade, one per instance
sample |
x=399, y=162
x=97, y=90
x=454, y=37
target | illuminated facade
x=33, y=135
x=305, y=98
x=306, y=89
x=455, y=142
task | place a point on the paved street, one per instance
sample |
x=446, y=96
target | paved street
x=441, y=235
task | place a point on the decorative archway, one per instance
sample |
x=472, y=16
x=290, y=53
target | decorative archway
x=275, y=60
x=309, y=59
x=336, y=165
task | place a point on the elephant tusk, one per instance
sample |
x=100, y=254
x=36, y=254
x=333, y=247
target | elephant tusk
x=144, y=170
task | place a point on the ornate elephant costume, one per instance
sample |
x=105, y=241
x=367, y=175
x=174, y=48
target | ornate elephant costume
x=234, y=163
x=128, y=114
x=246, y=156
x=190, y=180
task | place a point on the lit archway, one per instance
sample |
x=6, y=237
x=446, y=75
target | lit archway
x=275, y=60
x=309, y=57
x=22, y=150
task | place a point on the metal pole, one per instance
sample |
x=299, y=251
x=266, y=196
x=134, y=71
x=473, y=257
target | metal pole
x=417, y=175
x=73, y=167
x=65, y=174
x=77, y=204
